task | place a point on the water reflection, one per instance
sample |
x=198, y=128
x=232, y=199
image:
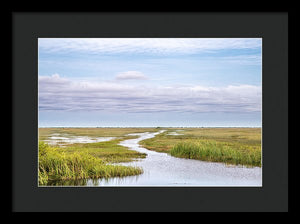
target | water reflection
x=74, y=182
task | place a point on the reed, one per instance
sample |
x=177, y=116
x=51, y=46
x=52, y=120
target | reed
x=210, y=150
x=55, y=165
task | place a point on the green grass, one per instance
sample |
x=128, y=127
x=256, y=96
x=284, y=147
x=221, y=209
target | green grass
x=210, y=150
x=74, y=163
x=229, y=145
x=57, y=165
x=108, y=151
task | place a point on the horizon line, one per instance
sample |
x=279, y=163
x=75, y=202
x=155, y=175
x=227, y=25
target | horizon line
x=150, y=127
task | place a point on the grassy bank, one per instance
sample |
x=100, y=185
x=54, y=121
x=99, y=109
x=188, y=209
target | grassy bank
x=77, y=162
x=210, y=150
x=108, y=151
x=229, y=145
x=80, y=161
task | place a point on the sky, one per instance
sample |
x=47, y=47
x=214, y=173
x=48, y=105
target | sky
x=150, y=82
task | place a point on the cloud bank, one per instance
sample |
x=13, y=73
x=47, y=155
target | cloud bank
x=58, y=93
x=134, y=75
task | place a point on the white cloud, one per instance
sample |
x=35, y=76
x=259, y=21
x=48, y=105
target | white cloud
x=131, y=75
x=57, y=93
x=146, y=45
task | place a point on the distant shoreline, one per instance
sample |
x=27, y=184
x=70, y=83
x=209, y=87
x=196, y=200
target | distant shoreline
x=149, y=127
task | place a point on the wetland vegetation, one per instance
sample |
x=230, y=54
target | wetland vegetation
x=80, y=161
x=85, y=160
x=238, y=146
x=56, y=165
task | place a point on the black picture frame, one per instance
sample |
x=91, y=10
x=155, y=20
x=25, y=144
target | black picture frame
x=28, y=26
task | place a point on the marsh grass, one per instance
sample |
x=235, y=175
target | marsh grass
x=210, y=150
x=57, y=165
x=76, y=162
x=239, y=146
x=108, y=151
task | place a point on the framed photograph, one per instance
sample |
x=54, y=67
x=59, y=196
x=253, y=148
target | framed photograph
x=150, y=111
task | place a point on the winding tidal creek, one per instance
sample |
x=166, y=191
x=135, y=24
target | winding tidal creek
x=161, y=169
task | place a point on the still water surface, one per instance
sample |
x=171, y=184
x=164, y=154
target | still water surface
x=161, y=169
